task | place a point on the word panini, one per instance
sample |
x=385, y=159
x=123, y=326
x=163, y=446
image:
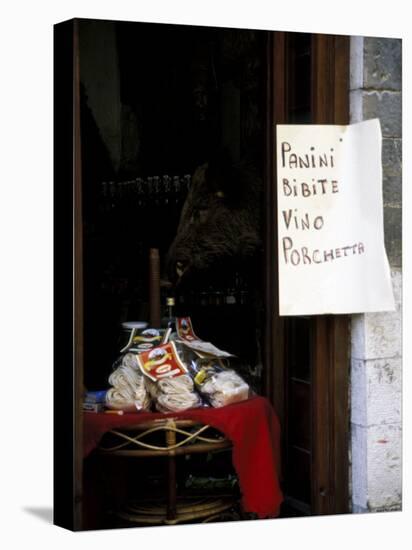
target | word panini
x=309, y=160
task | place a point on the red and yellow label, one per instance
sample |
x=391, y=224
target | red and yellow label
x=185, y=329
x=187, y=336
x=161, y=362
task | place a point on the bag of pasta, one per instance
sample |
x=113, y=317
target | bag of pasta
x=142, y=338
x=128, y=392
x=218, y=383
x=167, y=379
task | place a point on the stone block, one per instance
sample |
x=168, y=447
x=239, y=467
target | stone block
x=392, y=190
x=383, y=330
x=376, y=391
x=392, y=171
x=382, y=63
x=379, y=335
x=387, y=106
x=392, y=156
x=392, y=216
x=384, y=391
x=356, y=62
x=359, y=509
x=357, y=333
x=359, y=441
x=355, y=105
x=358, y=382
x=384, y=466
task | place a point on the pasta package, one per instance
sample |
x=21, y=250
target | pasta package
x=219, y=384
x=161, y=362
x=144, y=339
x=128, y=391
x=167, y=379
x=187, y=337
x=174, y=393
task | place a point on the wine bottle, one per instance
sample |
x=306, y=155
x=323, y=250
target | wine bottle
x=169, y=320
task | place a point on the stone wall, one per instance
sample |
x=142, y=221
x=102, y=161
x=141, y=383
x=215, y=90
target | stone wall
x=376, y=338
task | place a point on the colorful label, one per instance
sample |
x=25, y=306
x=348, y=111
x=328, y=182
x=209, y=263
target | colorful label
x=161, y=362
x=95, y=396
x=93, y=407
x=200, y=376
x=143, y=341
x=187, y=336
x=185, y=329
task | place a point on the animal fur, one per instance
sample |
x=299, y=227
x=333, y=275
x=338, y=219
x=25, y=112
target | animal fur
x=220, y=220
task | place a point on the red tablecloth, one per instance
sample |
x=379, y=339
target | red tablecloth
x=253, y=428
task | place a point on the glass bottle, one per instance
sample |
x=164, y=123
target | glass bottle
x=169, y=320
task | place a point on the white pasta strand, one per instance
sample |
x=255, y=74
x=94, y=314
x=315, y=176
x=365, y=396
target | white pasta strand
x=129, y=392
x=174, y=393
x=225, y=387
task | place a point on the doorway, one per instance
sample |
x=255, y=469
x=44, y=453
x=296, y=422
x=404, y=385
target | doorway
x=183, y=93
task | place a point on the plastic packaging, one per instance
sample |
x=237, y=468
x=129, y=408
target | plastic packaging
x=128, y=392
x=168, y=370
x=218, y=384
x=129, y=329
x=187, y=336
x=167, y=380
x=174, y=394
x=143, y=338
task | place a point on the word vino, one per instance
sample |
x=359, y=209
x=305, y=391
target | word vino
x=290, y=217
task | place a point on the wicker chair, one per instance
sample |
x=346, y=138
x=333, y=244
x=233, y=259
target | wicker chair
x=170, y=438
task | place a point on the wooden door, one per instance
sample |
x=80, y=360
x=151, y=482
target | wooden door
x=306, y=358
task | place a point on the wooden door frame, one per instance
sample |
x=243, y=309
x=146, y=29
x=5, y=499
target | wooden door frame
x=78, y=290
x=68, y=280
x=330, y=360
x=330, y=491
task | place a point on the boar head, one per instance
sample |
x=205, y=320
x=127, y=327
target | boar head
x=220, y=220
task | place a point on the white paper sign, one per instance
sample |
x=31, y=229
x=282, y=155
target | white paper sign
x=332, y=256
